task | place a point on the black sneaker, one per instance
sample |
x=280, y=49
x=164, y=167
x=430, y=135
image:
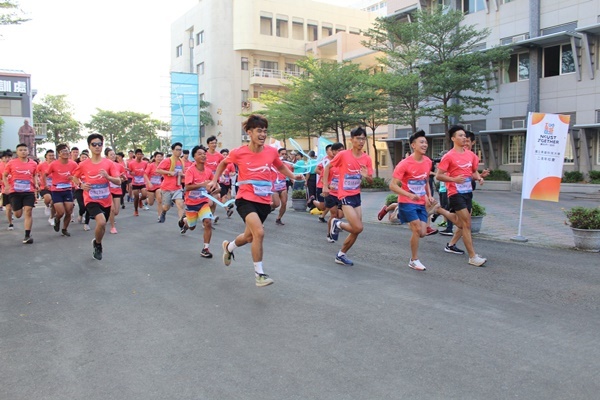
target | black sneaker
x=206, y=253
x=181, y=223
x=163, y=217
x=97, y=250
x=216, y=220
x=447, y=232
x=323, y=220
x=56, y=224
x=453, y=249
x=66, y=233
x=27, y=240
x=229, y=212
x=278, y=222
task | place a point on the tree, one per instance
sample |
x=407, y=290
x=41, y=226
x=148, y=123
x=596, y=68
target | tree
x=11, y=14
x=57, y=113
x=204, y=115
x=127, y=130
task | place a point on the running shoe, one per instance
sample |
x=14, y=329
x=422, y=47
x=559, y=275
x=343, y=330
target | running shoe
x=416, y=265
x=477, y=261
x=51, y=221
x=65, y=232
x=27, y=240
x=10, y=227
x=216, y=220
x=206, y=253
x=329, y=239
x=180, y=223
x=263, y=280
x=431, y=231
x=123, y=206
x=278, y=222
x=227, y=255
x=343, y=260
x=382, y=213
x=163, y=217
x=47, y=211
x=229, y=212
x=323, y=220
x=113, y=230
x=442, y=224
x=334, y=232
x=97, y=255
x=86, y=227
x=447, y=232
x=56, y=224
x=136, y=213
x=453, y=249
x=183, y=230
x=309, y=201
x=146, y=207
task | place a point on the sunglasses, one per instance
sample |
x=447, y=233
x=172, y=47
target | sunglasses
x=96, y=144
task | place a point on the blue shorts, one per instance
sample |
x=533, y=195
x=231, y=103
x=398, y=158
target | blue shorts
x=352, y=201
x=62, y=196
x=408, y=212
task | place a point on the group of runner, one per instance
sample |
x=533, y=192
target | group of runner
x=197, y=187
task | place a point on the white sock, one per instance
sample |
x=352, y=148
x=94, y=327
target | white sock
x=338, y=223
x=341, y=253
x=231, y=246
x=206, y=245
x=258, y=268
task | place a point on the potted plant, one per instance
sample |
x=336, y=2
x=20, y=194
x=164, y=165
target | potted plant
x=477, y=214
x=299, y=200
x=585, y=224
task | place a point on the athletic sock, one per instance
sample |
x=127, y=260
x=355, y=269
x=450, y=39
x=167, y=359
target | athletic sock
x=231, y=246
x=258, y=267
x=28, y=233
x=341, y=253
x=206, y=245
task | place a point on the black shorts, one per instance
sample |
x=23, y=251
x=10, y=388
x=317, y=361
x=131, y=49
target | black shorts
x=138, y=187
x=5, y=200
x=18, y=200
x=95, y=209
x=245, y=207
x=319, y=195
x=117, y=196
x=44, y=192
x=332, y=201
x=225, y=189
x=352, y=201
x=460, y=201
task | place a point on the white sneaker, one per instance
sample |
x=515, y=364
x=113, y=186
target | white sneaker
x=477, y=261
x=51, y=221
x=146, y=207
x=86, y=227
x=416, y=265
x=47, y=211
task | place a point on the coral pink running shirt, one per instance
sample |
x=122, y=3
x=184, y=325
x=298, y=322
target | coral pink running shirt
x=61, y=175
x=21, y=175
x=89, y=173
x=169, y=182
x=114, y=188
x=213, y=160
x=414, y=176
x=42, y=168
x=255, y=172
x=456, y=164
x=349, y=167
x=137, y=170
x=194, y=177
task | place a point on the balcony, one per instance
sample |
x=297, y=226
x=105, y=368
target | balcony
x=272, y=77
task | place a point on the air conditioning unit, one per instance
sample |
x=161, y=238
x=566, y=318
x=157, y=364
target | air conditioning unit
x=518, y=38
x=467, y=127
x=518, y=123
x=245, y=138
x=246, y=104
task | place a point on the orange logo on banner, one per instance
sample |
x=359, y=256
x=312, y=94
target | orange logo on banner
x=536, y=118
x=547, y=189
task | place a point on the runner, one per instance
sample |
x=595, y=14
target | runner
x=332, y=203
x=21, y=187
x=46, y=184
x=319, y=201
x=74, y=153
x=93, y=175
x=457, y=168
x=78, y=195
x=253, y=199
x=213, y=158
x=6, y=156
x=60, y=173
x=153, y=181
x=353, y=165
x=116, y=191
x=226, y=183
x=172, y=171
x=197, y=206
x=410, y=182
x=137, y=169
x=280, y=193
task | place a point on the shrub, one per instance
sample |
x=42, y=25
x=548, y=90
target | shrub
x=299, y=194
x=478, y=210
x=595, y=176
x=378, y=183
x=583, y=217
x=391, y=198
x=572, y=177
x=498, y=175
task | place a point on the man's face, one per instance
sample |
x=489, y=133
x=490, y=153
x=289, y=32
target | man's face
x=49, y=157
x=419, y=145
x=177, y=151
x=468, y=143
x=283, y=155
x=258, y=135
x=212, y=145
x=329, y=153
x=22, y=152
x=130, y=155
x=64, y=154
x=96, y=146
x=459, y=138
x=74, y=154
x=158, y=158
x=200, y=156
x=138, y=156
x=359, y=141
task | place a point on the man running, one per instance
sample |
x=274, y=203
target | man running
x=253, y=199
x=137, y=169
x=457, y=168
x=353, y=165
x=280, y=193
x=213, y=158
x=116, y=190
x=94, y=175
x=61, y=174
x=6, y=157
x=332, y=203
x=172, y=171
x=409, y=181
x=21, y=187
x=225, y=181
x=319, y=201
x=153, y=181
x=46, y=185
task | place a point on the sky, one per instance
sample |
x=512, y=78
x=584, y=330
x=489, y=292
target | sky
x=110, y=54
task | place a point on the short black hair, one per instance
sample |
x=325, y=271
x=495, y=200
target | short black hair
x=210, y=139
x=186, y=151
x=59, y=148
x=196, y=148
x=107, y=150
x=416, y=135
x=175, y=145
x=281, y=149
x=224, y=151
x=139, y=151
x=255, y=121
x=358, y=131
x=337, y=146
x=94, y=136
x=74, y=148
x=327, y=147
x=121, y=154
x=470, y=135
x=48, y=151
x=455, y=128
x=156, y=153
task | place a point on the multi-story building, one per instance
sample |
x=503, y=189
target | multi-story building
x=553, y=69
x=16, y=99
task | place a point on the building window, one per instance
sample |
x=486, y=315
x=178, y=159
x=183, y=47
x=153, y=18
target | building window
x=298, y=29
x=558, y=60
x=244, y=95
x=244, y=63
x=292, y=69
x=199, y=38
x=437, y=147
x=569, y=159
x=340, y=28
x=281, y=26
x=179, y=51
x=517, y=68
x=11, y=108
x=313, y=30
x=326, y=30
x=266, y=26
x=471, y=6
x=200, y=69
x=383, y=159
x=514, y=149
x=272, y=65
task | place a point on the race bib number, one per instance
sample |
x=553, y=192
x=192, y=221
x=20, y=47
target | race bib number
x=224, y=180
x=352, y=181
x=178, y=169
x=335, y=182
x=197, y=194
x=63, y=186
x=99, y=191
x=155, y=179
x=464, y=187
x=48, y=181
x=417, y=187
x=113, y=185
x=21, y=185
x=278, y=186
x=262, y=191
x=138, y=180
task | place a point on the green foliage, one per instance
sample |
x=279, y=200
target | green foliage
x=594, y=177
x=572, y=177
x=11, y=14
x=478, y=210
x=1, y=124
x=583, y=217
x=498, y=175
x=391, y=198
x=299, y=194
x=378, y=183
x=57, y=113
x=205, y=116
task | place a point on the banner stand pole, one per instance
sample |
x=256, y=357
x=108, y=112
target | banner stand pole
x=519, y=238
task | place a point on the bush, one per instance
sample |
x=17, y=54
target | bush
x=299, y=194
x=391, y=198
x=583, y=217
x=378, y=183
x=572, y=177
x=478, y=210
x=595, y=177
x=498, y=175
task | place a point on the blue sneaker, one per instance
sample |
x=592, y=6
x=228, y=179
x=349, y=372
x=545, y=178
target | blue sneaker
x=334, y=231
x=343, y=260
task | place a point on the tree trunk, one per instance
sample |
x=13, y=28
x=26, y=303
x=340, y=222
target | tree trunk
x=375, y=152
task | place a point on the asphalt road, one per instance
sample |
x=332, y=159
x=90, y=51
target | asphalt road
x=153, y=320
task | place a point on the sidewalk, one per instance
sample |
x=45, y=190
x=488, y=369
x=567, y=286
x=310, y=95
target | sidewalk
x=543, y=221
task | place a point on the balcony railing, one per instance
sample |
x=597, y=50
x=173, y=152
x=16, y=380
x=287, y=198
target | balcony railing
x=272, y=73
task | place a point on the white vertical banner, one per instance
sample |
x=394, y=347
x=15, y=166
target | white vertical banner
x=544, y=156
